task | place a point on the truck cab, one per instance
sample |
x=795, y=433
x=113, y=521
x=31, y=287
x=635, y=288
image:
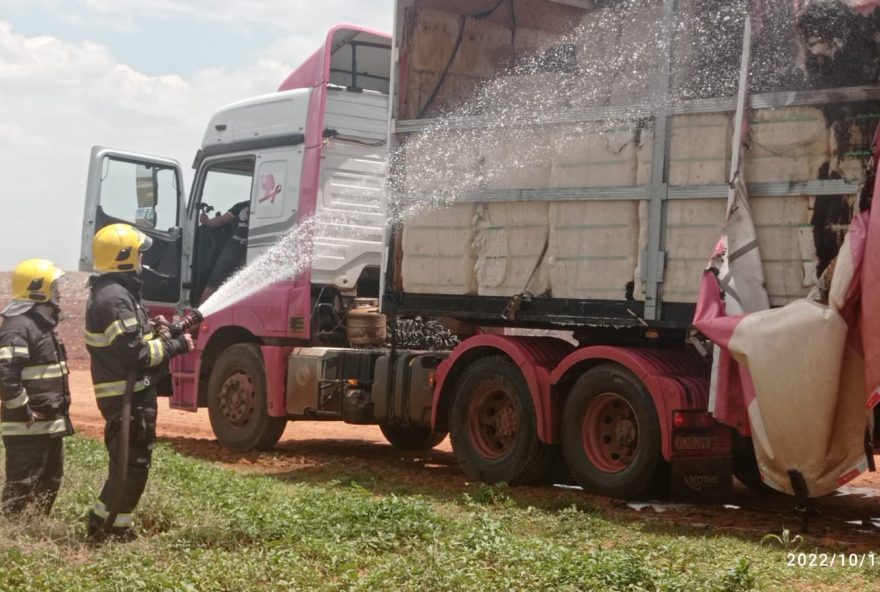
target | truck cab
x=315, y=149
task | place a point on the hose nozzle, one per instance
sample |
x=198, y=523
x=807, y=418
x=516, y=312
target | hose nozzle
x=186, y=323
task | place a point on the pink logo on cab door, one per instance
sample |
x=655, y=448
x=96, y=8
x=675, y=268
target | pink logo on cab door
x=270, y=188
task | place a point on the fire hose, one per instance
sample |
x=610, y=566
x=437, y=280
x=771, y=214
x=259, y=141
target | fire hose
x=117, y=491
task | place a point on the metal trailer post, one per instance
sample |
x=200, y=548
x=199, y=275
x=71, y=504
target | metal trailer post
x=659, y=190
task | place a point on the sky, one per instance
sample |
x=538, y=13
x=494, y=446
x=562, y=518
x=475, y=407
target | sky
x=144, y=76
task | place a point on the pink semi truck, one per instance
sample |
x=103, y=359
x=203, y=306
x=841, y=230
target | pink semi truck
x=570, y=286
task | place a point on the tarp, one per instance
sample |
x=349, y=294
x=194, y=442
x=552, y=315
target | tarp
x=805, y=375
x=864, y=6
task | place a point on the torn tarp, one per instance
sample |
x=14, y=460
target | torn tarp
x=799, y=372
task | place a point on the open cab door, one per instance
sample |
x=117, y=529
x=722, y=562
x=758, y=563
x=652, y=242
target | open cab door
x=146, y=192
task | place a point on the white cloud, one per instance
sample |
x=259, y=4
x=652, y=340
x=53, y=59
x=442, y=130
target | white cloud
x=293, y=16
x=58, y=99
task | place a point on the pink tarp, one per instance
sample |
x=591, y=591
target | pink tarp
x=805, y=375
x=870, y=292
x=864, y=6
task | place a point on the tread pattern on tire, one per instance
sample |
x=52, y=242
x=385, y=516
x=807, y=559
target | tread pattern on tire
x=531, y=460
x=246, y=354
x=636, y=479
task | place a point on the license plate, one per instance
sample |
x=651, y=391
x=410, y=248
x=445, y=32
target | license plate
x=693, y=442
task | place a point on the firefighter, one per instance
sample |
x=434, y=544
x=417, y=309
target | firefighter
x=121, y=340
x=33, y=385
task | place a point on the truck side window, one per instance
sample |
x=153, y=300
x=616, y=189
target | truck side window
x=226, y=187
x=140, y=195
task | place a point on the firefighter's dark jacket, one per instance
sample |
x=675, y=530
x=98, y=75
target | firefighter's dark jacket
x=33, y=375
x=120, y=337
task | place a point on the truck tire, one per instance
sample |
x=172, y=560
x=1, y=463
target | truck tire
x=494, y=426
x=237, y=405
x=411, y=437
x=611, y=434
x=745, y=466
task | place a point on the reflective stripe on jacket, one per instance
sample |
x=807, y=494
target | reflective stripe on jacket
x=33, y=374
x=38, y=428
x=119, y=336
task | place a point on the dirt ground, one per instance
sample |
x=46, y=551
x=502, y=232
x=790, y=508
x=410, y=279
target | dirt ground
x=327, y=452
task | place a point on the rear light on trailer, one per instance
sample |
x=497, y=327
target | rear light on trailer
x=683, y=419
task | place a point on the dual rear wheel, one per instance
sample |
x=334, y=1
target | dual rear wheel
x=610, y=432
x=494, y=425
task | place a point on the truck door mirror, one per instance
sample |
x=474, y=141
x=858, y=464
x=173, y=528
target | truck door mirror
x=146, y=189
x=145, y=185
x=146, y=217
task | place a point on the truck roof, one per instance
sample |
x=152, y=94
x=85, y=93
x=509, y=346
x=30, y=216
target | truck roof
x=368, y=55
x=351, y=56
x=260, y=117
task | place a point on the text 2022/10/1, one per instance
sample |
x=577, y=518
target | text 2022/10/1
x=832, y=559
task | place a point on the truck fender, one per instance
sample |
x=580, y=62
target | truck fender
x=675, y=380
x=275, y=360
x=535, y=356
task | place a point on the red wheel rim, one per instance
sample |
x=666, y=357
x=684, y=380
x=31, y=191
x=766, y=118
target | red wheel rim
x=493, y=422
x=610, y=433
x=238, y=398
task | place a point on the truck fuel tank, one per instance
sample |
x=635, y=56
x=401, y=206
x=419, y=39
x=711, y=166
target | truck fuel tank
x=319, y=378
x=403, y=386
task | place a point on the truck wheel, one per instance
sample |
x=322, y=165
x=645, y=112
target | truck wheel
x=411, y=437
x=610, y=433
x=745, y=466
x=494, y=425
x=237, y=405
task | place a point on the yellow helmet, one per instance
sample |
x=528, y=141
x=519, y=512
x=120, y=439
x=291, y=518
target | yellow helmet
x=116, y=248
x=33, y=279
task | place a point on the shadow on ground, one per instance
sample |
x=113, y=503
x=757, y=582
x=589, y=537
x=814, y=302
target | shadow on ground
x=435, y=474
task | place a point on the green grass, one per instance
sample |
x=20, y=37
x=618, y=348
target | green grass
x=206, y=528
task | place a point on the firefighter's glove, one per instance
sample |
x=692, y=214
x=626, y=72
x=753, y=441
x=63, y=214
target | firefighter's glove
x=31, y=416
x=176, y=346
x=34, y=416
x=161, y=326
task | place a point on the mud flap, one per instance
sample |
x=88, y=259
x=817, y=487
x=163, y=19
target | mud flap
x=701, y=478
